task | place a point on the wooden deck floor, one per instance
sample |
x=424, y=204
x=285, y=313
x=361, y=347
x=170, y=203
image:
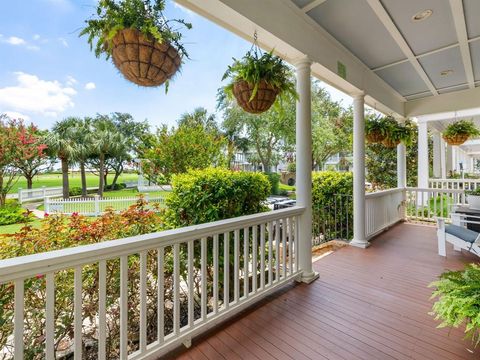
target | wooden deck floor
x=367, y=304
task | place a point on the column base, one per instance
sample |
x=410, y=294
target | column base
x=363, y=244
x=309, y=277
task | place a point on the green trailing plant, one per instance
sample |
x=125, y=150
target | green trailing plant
x=256, y=66
x=147, y=16
x=376, y=128
x=475, y=192
x=458, y=300
x=401, y=132
x=462, y=127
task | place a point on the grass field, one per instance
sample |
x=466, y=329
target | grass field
x=54, y=180
x=12, y=229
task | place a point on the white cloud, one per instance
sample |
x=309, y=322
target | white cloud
x=16, y=115
x=71, y=80
x=17, y=41
x=14, y=40
x=34, y=95
x=36, y=37
x=63, y=42
x=90, y=86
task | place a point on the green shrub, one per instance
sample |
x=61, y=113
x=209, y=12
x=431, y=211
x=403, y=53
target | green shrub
x=332, y=205
x=274, y=180
x=292, y=167
x=75, y=191
x=458, y=300
x=202, y=196
x=115, y=187
x=12, y=213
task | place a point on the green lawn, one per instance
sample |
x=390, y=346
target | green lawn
x=286, y=187
x=12, y=229
x=54, y=180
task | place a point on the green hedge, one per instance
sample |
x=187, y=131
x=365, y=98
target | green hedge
x=202, y=196
x=274, y=180
x=332, y=196
x=11, y=213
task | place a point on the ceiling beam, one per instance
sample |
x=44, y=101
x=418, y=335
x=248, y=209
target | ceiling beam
x=282, y=26
x=449, y=102
x=312, y=5
x=387, y=21
x=461, y=29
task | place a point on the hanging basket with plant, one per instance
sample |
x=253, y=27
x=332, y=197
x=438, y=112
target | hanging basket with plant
x=376, y=129
x=398, y=133
x=258, y=79
x=457, y=133
x=141, y=41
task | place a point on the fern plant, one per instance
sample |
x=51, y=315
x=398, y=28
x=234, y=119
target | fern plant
x=458, y=300
x=257, y=66
x=147, y=16
x=462, y=127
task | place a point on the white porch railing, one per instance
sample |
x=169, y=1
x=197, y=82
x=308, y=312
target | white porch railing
x=458, y=184
x=426, y=204
x=95, y=206
x=383, y=209
x=211, y=271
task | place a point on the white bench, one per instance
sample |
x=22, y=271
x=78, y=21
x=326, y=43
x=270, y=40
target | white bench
x=457, y=234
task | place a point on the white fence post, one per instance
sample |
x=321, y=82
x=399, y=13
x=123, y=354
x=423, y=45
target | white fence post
x=44, y=189
x=97, y=205
x=20, y=195
x=47, y=205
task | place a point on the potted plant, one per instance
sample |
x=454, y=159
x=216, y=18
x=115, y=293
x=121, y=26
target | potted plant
x=376, y=129
x=473, y=198
x=398, y=133
x=141, y=41
x=459, y=132
x=257, y=80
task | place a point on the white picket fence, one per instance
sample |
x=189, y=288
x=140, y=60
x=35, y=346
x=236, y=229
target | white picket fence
x=383, y=209
x=95, y=206
x=455, y=184
x=38, y=194
x=153, y=188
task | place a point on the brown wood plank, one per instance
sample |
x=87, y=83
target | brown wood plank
x=367, y=304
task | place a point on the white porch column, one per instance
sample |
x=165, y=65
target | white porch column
x=359, y=236
x=443, y=159
x=401, y=163
x=449, y=161
x=304, y=168
x=422, y=155
x=437, y=162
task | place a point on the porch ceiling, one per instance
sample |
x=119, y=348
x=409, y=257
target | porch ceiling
x=396, y=60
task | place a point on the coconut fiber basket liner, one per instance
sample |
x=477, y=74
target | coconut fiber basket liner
x=375, y=137
x=456, y=140
x=263, y=100
x=144, y=62
x=389, y=143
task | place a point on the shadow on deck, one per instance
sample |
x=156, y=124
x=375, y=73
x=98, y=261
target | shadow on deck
x=367, y=304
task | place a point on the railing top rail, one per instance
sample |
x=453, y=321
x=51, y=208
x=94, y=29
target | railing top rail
x=435, y=190
x=383, y=192
x=31, y=265
x=455, y=180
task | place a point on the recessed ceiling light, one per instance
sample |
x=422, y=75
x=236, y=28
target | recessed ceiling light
x=446, y=72
x=422, y=15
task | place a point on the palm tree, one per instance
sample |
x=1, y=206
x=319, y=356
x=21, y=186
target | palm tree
x=105, y=140
x=61, y=143
x=83, y=148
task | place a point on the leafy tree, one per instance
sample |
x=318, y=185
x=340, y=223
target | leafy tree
x=106, y=141
x=270, y=133
x=81, y=132
x=332, y=127
x=32, y=157
x=61, y=143
x=194, y=144
x=17, y=143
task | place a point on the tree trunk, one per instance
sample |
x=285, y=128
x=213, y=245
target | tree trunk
x=66, y=186
x=84, y=178
x=29, y=181
x=101, y=175
x=3, y=194
x=115, y=178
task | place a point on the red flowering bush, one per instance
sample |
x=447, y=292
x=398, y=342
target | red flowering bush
x=59, y=232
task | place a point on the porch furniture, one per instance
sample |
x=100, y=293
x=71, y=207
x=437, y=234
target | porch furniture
x=458, y=234
x=467, y=210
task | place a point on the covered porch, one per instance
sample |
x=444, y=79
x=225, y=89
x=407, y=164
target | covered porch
x=370, y=304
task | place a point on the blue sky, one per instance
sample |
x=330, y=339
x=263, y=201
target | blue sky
x=47, y=72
